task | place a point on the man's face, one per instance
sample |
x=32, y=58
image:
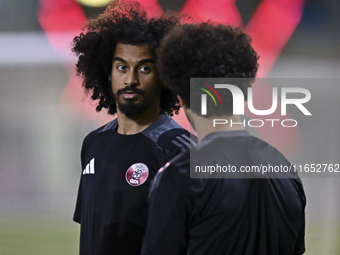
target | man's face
x=134, y=79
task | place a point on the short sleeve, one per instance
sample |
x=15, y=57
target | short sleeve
x=77, y=212
x=300, y=244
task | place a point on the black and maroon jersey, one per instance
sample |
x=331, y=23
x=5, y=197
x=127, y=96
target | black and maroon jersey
x=116, y=177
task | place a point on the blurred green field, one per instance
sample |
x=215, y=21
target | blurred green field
x=26, y=236
x=46, y=236
x=322, y=238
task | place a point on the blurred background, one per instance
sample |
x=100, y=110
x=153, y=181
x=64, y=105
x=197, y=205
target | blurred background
x=44, y=115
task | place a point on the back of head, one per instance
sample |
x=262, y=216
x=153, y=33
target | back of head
x=206, y=51
x=125, y=23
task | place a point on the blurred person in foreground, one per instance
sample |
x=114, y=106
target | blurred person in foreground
x=251, y=214
x=117, y=61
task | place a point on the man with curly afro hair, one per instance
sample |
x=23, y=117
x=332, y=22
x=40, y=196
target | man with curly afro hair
x=117, y=61
x=201, y=202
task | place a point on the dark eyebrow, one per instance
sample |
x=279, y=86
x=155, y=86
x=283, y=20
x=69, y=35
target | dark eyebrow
x=118, y=59
x=147, y=60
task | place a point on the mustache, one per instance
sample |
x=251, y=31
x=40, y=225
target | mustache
x=131, y=90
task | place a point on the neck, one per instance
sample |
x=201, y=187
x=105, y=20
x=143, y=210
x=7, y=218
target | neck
x=128, y=126
x=204, y=126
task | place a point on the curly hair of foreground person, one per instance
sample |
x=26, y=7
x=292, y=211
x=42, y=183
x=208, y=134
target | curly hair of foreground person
x=123, y=23
x=206, y=50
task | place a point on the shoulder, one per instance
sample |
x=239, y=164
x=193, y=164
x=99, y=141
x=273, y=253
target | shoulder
x=176, y=172
x=92, y=135
x=167, y=134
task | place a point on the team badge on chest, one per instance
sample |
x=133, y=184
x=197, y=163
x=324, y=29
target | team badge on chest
x=137, y=174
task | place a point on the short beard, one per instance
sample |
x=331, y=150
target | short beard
x=133, y=110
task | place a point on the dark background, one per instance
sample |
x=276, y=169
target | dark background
x=41, y=133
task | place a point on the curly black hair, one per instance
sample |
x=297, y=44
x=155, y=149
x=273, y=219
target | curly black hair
x=123, y=23
x=206, y=50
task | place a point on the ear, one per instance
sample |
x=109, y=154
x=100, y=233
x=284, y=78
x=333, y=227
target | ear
x=110, y=78
x=181, y=101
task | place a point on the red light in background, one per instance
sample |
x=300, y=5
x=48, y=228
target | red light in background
x=270, y=28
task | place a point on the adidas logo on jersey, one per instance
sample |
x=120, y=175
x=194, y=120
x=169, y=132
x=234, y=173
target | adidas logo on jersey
x=89, y=169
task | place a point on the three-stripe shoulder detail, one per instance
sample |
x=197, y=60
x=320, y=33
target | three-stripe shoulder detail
x=183, y=142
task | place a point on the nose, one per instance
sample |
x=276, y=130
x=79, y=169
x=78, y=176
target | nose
x=132, y=78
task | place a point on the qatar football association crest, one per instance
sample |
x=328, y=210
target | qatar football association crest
x=137, y=174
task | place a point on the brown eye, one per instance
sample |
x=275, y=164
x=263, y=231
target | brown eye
x=144, y=69
x=121, y=67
